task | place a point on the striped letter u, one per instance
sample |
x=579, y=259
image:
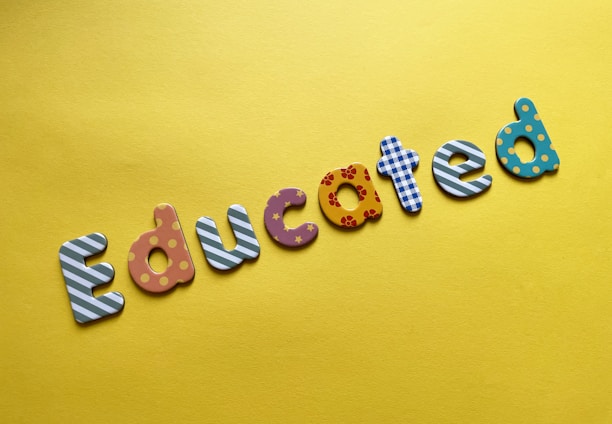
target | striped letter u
x=247, y=246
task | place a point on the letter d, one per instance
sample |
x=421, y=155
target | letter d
x=168, y=237
x=530, y=127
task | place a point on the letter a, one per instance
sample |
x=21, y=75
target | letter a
x=357, y=176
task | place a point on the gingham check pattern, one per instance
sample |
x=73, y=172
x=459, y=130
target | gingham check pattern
x=397, y=163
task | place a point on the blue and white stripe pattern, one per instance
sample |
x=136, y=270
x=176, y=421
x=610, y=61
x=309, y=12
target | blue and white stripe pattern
x=447, y=175
x=397, y=163
x=81, y=279
x=247, y=246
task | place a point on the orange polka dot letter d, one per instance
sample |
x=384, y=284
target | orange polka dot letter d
x=169, y=238
x=529, y=127
x=357, y=176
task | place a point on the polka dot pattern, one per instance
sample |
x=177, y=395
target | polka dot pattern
x=168, y=237
x=530, y=127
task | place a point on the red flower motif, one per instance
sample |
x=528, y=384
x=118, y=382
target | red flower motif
x=376, y=197
x=367, y=174
x=327, y=179
x=361, y=191
x=349, y=172
x=370, y=214
x=333, y=200
x=348, y=221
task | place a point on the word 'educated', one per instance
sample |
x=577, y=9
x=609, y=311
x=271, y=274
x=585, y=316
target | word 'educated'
x=396, y=163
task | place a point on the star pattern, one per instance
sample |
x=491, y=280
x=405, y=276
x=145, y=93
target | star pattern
x=301, y=235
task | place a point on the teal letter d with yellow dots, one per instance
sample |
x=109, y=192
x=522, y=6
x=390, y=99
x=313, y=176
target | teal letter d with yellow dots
x=530, y=127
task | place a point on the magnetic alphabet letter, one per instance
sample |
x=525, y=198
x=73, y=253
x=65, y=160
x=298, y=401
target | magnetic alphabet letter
x=247, y=246
x=273, y=219
x=398, y=163
x=528, y=126
x=369, y=206
x=168, y=237
x=81, y=279
x=448, y=176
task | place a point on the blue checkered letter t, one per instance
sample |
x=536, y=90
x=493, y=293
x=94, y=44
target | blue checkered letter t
x=397, y=163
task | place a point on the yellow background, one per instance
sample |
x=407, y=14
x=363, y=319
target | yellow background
x=493, y=310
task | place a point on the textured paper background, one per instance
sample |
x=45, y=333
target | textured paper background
x=497, y=309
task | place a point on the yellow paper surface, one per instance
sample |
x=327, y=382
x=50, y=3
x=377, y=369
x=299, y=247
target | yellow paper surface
x=496, y=309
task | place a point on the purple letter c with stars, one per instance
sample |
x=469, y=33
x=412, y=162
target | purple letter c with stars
x=275, y=224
